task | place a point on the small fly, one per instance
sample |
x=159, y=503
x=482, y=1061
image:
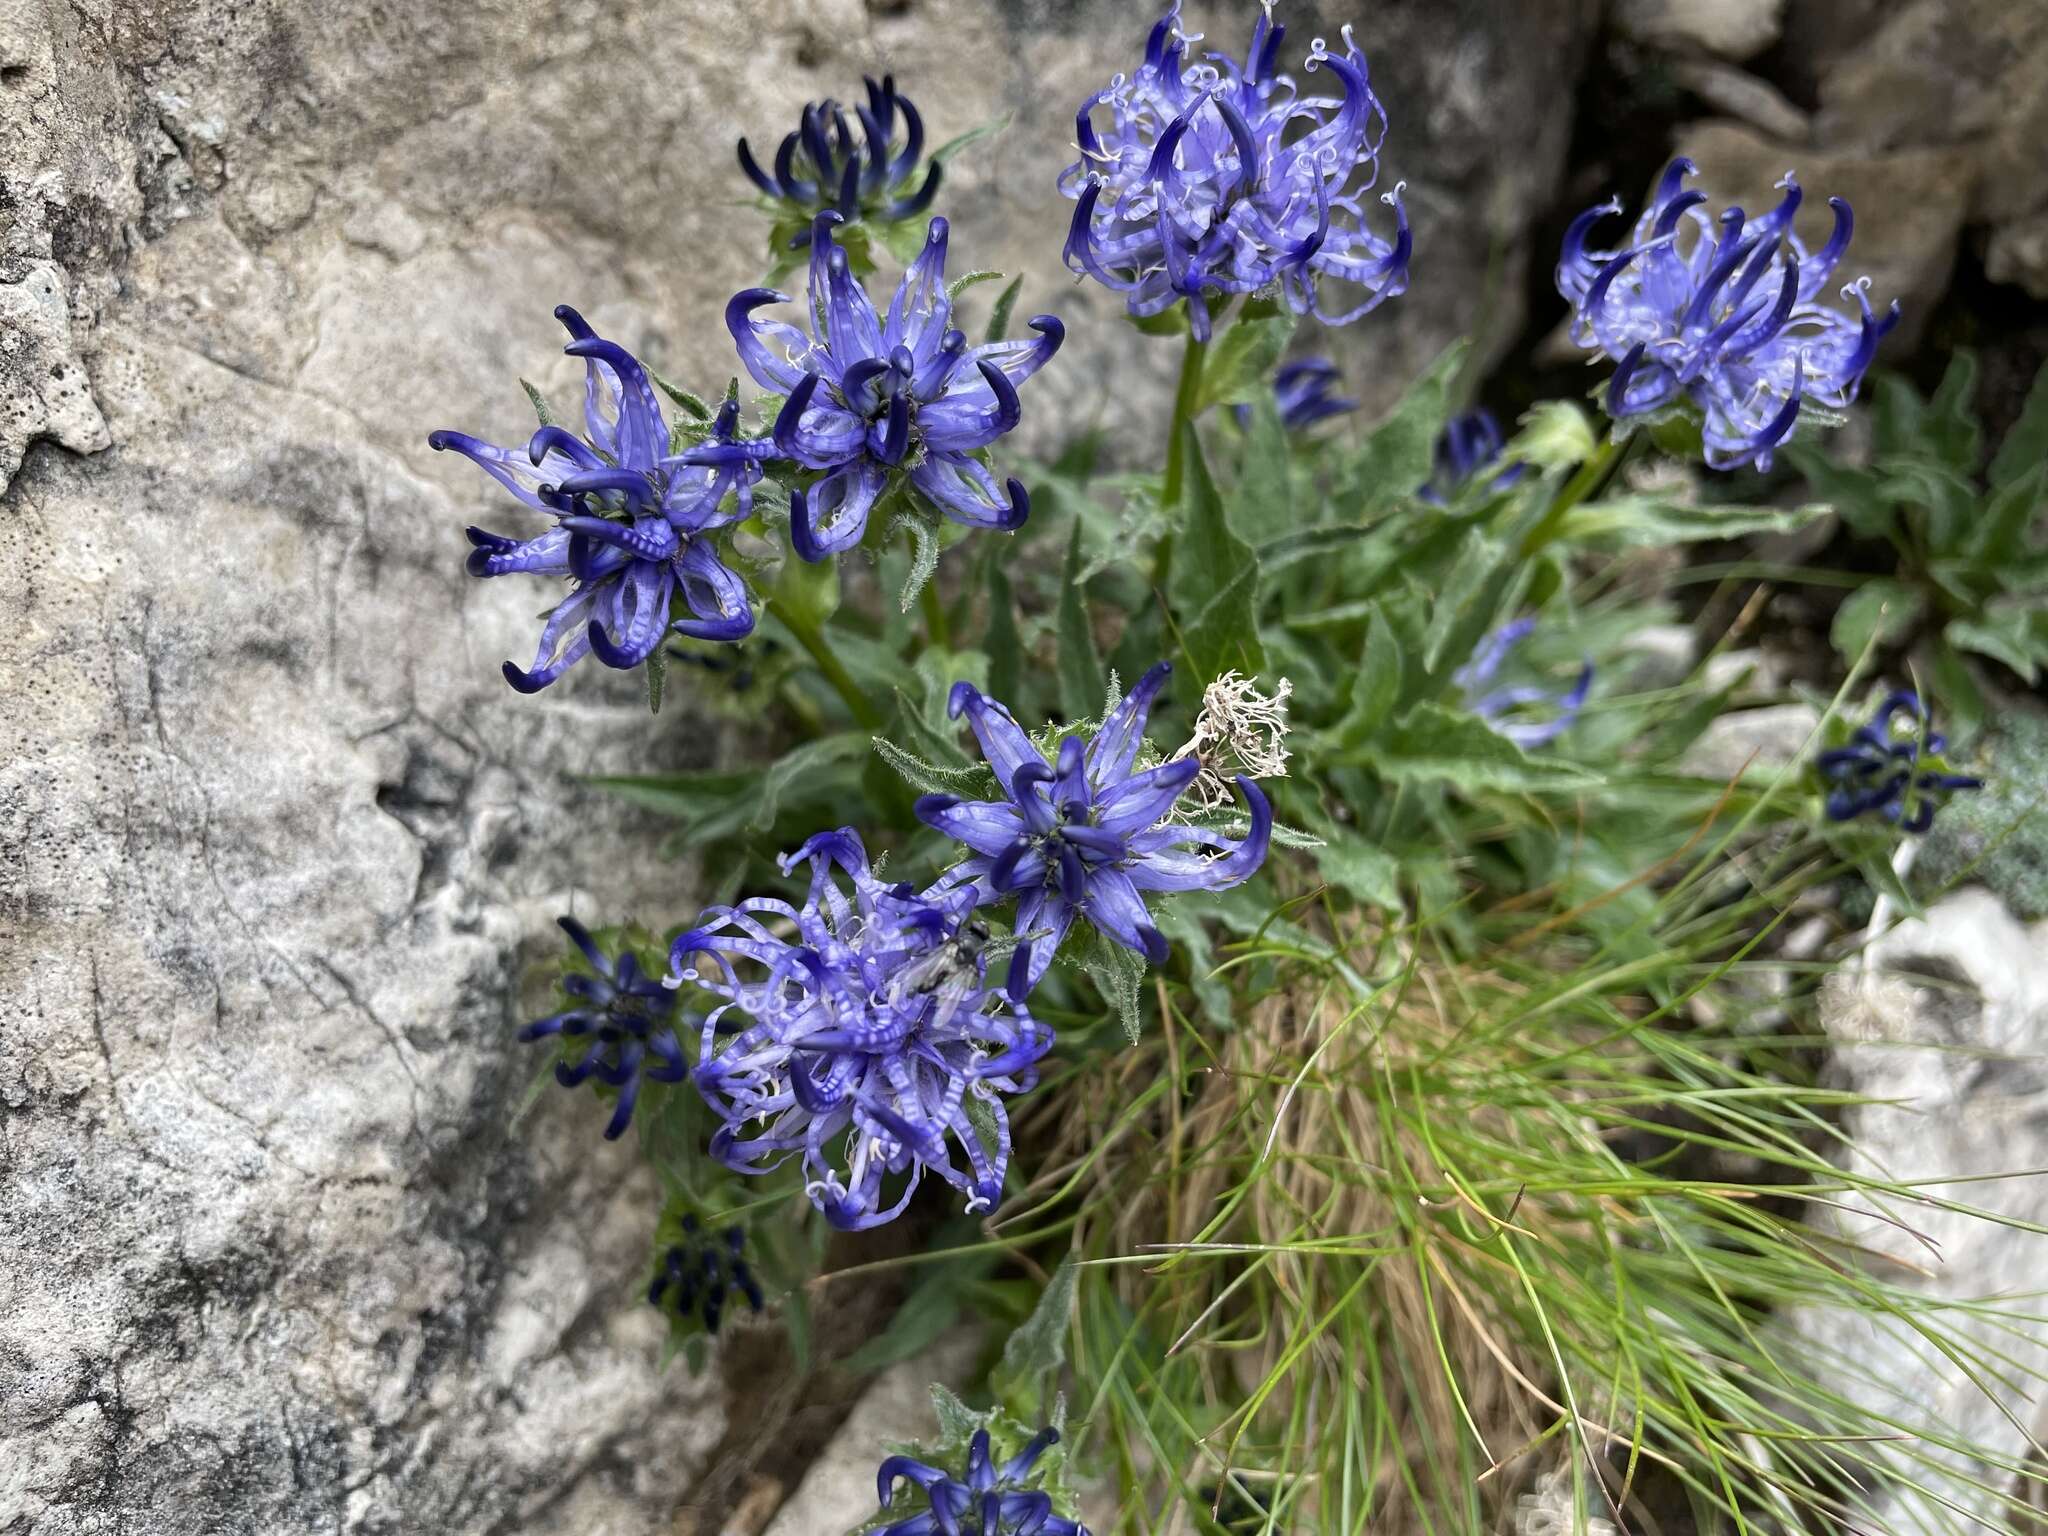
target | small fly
x=949, y=973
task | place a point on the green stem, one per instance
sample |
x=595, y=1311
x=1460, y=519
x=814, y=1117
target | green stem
x=811, y=636
x=1184, y=398
x=1185, y=395
x=1593, y=478
x=936, y=630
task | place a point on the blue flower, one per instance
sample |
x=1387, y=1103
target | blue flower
x=1887, y=773
x=630, y=519
x=619, y=1018
x=990, y=1501
x=875, y=398
x=1469, y=443
x=1504, y=708
x=1085, y=834
x=694, y=1277
x=859, y=1032
x=1723, y=312
x=1216, y=178
x=1302, y=391
x=822, y=166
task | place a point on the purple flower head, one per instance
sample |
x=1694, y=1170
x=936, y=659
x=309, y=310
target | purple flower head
x=1085, y=834
x=630, y=519
x=1509, y=710
x=1900, y=777
x=1469, y=443
x=874, y=398
x=822, y=165
x=1721, y=311
x=989, y=1500
x=859, y=1031
x=1302, y=391
x=617, y=1019
x=694, y=1277
x=1200, y=180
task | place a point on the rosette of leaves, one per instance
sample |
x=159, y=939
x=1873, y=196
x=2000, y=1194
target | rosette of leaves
x=1966, y=535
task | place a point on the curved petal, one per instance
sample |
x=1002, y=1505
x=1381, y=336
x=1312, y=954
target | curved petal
x=965, y=491
x=1143, y=799
x=714, y=593
x=833, y=514
x=1043, y=918
x=1159, y=868
x=990, y=827
x=1114, y=906
x=1115, y=746
x=1003, y=742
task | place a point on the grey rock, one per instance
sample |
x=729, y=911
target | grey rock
x=1761, y=741
x=1744, y=97
x=278, y=850
x=838, y=1492
x=1947, y=1034
x=1730, y=29
x=1661, y=655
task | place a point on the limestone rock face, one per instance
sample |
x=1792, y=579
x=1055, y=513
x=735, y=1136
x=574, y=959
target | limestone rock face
x=278, y=849
x=1945, y=1036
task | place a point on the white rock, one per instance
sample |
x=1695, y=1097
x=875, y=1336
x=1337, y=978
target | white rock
x=1762, y=741
x=1729, y=29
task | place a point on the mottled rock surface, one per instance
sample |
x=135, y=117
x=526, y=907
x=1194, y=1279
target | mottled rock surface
x=278, y=850
x=1947, y=1032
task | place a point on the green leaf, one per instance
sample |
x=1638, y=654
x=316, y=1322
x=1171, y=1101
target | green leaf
x=960, y=141
x=923, y=528
x=2017, y=636
x=967, y=280
x=1262, y=506
x=686, y=401
x=1951, y=429
x=957, y=1421
x=1857, y=495
x=657, y=677
x=2025, y=447
x=1035, y=1351
x=1557, y=434
x=540, y=406
x=2001, y=535
x=1240, y=364
x=1214, y=586
x=1375, y=684
x=1080, y=665
x=1000, y=639
x=1116, y=972
x=963, y=781
x=1881, y=608
x=1368, y=873
x=1962, y=701
x=1624, y=522
x=1434, y=742
x=999, y=317
x=931, y=1307
x=796, y=766
x=1476, y=561
x=1396, y=455
x=1168, y=322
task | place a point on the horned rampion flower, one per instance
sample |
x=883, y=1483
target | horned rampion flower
x=618, y=1017
x=990, y=1500
x=1528, y=716
x=822, y=165
x=631, y=518
x=1723, y=312
x=1896, y=773
x=1085, y=834
x=872, y=399
x=1469, y=443
x=695, y=1276
x=1202, y=179
x=859, y=1032
x=1302, y=391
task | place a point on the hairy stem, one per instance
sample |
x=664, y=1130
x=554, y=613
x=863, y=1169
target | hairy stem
x=1184, y=397
x=811, y=636
x=1592, y=480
